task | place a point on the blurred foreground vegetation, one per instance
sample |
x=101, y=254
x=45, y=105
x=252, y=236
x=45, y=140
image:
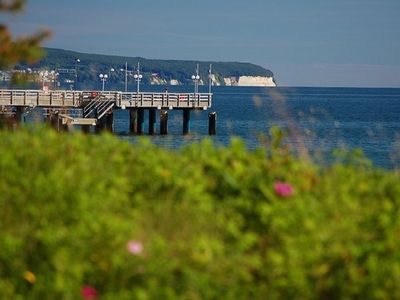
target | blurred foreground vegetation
x=14, y=50
x=86, y=216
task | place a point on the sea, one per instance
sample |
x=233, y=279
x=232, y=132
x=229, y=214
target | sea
x=317, y=120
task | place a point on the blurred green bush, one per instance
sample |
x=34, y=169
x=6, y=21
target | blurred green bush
x=84, y=216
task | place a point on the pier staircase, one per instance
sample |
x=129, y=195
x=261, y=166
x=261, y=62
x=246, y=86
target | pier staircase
x=98, y=106
x=92, y=111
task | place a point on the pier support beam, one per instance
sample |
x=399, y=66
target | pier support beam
x=109, y=120
x=7, y=121
x=100, y=125
x=19, y=111
x=140, y=121
x=53, y=120
x=85, y=129
x=47, y=117
x=3, y=121
x=62, y=127
x=152, y=121
x=132, y=120
x=212, y=123
x=186, y=121
x=164, y=122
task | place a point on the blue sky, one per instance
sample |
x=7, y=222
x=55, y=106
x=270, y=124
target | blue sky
x=305, y=43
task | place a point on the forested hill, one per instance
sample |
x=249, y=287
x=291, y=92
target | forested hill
x=91, y=65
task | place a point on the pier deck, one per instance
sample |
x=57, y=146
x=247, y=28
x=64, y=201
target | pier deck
x=94, y=105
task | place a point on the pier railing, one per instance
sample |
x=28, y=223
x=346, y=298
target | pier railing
x=166, y=100
x=40, y=98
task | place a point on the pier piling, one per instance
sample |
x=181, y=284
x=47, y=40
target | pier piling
x=152, y=121
x=62, y=126
x=132, y=120
x=53, y=120
x=212, y=123
x=99, y=126
x=164, y=122
x=186, y=121
x=109, y=120
x=19, y=111
x=140, y=121
x=85, y=128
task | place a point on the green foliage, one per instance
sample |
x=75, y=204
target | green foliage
x=18, y=50
x=204, y=222
x=11, y=5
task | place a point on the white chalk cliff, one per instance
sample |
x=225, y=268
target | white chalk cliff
x=157, y=81
x=250, y=81
x=262, y=81
x=174, y=82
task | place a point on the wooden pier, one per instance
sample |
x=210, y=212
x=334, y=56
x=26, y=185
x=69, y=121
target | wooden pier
x=96, y=107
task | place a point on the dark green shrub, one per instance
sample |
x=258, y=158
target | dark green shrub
x=93, y=213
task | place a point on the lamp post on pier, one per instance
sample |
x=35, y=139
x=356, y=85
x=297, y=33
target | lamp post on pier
x=103, y=78
x=138, y=77
x=196, y=79
x=44, y=75
x=53, y=79
x=209, y=79
x=77, y=61
x=127, y=72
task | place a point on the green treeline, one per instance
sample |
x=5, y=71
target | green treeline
x=94, y=216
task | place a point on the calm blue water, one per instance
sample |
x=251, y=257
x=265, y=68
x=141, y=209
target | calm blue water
x=323, y=119
x=320, y=119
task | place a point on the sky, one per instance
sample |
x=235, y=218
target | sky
x=304, y=43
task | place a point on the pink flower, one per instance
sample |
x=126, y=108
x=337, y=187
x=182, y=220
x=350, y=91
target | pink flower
x=283, y=189
x=135, y=247
x=89, y=292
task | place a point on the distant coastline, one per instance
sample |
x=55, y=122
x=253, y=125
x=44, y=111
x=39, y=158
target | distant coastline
x=85, y=68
